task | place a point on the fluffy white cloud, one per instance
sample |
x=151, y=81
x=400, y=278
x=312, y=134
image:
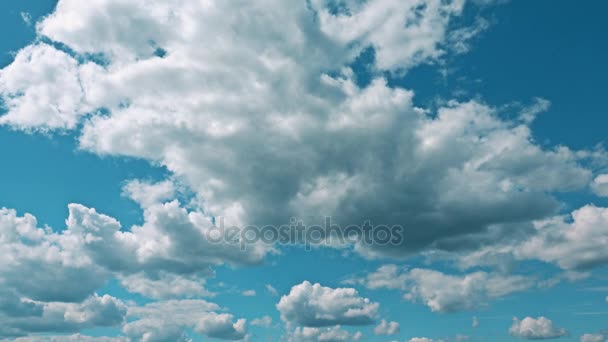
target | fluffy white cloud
x=169, y=256
x=26, y=316
x=444, y=292
x=423, y=339
x=313, y=305
x=593, y=338
x=386, y=328
x=600, y=185
x=169, y=320
x=332, y=334
x=574, y=242
x=265, y=322
x=248, y=293
x=256, y=111
x=41, y=90
x=535, y=329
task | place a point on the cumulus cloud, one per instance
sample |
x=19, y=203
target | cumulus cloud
x=248, y=293
x=445, y=292
x=536, y=329
x=332, y=334
x=593, y=338
x=386, y=328
x=242, y=97
x=600, y=185
x=265, y=322
x=169, y=321
x=168, y=256
x=313, y=305
x=27, y=316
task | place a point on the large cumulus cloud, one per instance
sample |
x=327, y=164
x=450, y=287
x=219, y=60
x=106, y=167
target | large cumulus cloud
x=253, y=107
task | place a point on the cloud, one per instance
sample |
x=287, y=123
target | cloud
x=313, y=305
x=333, y=334
x=593, y=338
x=535, y=329
x=41, y=90
x=572, y=244
x=475, y=322
x=444, y=292
x=169, y=320
x=423, y=339
x=265, y=322
x=59, y=317
x=168, y=256
x=271, y=290
x=600, y=185
x=386, y=328
x=248, y=293
x=165, y=286
x=281, y=104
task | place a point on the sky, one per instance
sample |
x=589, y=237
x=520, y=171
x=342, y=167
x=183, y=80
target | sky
x=133, y=131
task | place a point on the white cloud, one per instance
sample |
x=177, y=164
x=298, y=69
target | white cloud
x=265, y=322
x=423, y=339
x=600, y=185
x=593, y=338
x=386, y=328
x=169, y=320
x=444, y=292
x=41, y=90
x=241, y=99
x=313, y=305
x=576, y=244
x=332, y=334
x=535, y=328
x=248, y=293
x=475, y=322
x=270, y=289
x=165, y=286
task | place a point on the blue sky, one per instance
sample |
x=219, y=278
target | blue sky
x=259, y=140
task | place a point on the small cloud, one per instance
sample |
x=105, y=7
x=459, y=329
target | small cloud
x=475, y=323
x=535, y=329
x=386, y=328
x=248, y=293
x=270, y=289
x=264, y=322
x=27, y=18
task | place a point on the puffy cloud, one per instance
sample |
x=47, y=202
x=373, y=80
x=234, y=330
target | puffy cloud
x=169, y=320
x=165, y=286
x=58, y=317
x=271, y=290
x=386, y=328
x=168, y=256
x=265, y=322
x=256, y=111
x=573, y=244
x=332, y=334
x=444, y=292
x=313, y=305
x=41, y=90
x=600, y=185
x=535, y=329
x=248, y=293
x=593, y=338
